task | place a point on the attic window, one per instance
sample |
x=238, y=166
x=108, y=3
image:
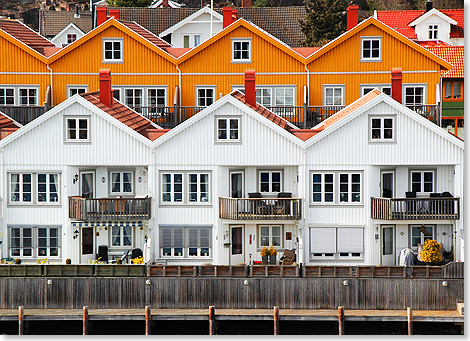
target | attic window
x=228, y=129
x=77, y=129
x=241, y=50
x=112, y=50
x=382, y=128
x=433, y=32
x=71, y=38
x=371, y=49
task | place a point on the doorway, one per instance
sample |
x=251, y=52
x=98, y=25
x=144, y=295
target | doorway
x=87, y=247
x=388, y=245
x=388, y=184
x=87, y=184
x=236, y=184
x=236, y=245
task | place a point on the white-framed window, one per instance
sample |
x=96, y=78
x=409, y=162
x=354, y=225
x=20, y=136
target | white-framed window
x=382, y=128
x=371, y=49
x=76, y=89
x=270, y=235
x=77, y=129
x=333, y=95
x=422, y=181
x=191, y=40
x=205, y=95
x=113, y=50
x=21, y=95
x=156, y=97
x=336, y=187
x=414, y=94
x=71, y=37
x=228, y=129
x=433, y=32
x=385, y=88
x=188, y=187
x=34, y=188
x=137, y=97
x=270, y=181
x=186, y=241
x=241, y=50
x=336, y=242
x=122, y=236
x=133, y=97
x=34, y=241
x=420, y=233
x=122, y=182
x=274, y=96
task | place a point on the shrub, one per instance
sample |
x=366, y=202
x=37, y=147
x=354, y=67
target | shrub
x=431, y=252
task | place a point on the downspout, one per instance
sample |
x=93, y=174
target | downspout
x=179, y=93
x=442, y=96
x=305, y=104
x=52, y=89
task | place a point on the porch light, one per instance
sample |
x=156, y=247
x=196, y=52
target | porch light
x=75, y=234
x=75, y=178
x=444, y=284
x=147, y=282
x=49, y=282
x=246, y=282
x=345, y=282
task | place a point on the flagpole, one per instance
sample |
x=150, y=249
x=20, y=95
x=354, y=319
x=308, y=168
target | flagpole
x=212, y=5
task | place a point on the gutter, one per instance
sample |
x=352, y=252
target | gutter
x=179, y=83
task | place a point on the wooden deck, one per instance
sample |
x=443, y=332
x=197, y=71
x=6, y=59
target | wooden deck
x=235, y=314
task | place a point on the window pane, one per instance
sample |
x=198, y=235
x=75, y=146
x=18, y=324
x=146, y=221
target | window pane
x=456, y=90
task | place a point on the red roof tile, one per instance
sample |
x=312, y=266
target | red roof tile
x=400, y=20
x=452, y=54
x=305, y=51
x=7, y=125
x=127, y=116
x=177, y=52
x=305, y=134
x=145, y=33
x=26, y=35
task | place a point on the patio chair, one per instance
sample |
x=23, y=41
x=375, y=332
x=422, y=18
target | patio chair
x=124, y=255
x=288, y=258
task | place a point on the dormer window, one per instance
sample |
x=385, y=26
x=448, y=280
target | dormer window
x=371, y=49
x=433, y=32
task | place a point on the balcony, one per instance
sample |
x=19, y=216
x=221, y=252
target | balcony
x=260, y=209
x=118, y=209
x=441, y=208
x=23, y=114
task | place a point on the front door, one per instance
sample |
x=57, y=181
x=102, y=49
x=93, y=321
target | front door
x=388, y=245
x=87, y=247
x=236, y=245
x=388, y=184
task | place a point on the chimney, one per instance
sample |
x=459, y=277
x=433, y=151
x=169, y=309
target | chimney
x=247, y=3
x=227, y=16
x=165, y=3
x=234, y=14
x=100, y=15
x=428, y=5
x=114, y=13
x=250, y=92
x=397, y=79
x=76, y=15
x=353, y=16
x=106, y=95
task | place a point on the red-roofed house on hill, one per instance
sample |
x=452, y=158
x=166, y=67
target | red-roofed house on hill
x=429, y=26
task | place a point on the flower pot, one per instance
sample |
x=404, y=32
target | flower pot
x=272, y=260
x=265, y=260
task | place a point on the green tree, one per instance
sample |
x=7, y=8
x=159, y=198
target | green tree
x=325, y=20
x=129, y=3
x=262, y=3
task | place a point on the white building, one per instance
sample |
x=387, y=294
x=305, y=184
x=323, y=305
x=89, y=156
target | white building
x=67, y=36
x=227, y=181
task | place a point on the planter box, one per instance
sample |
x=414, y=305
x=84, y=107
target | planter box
x=223, y=271
x=21, y=270
x=171, y=271
x=112, y=270
x=68, y=270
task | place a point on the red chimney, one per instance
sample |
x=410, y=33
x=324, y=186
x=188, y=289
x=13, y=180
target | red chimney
x=114, y=13
x=100, y=15
x=106, y=95
x=165, y=3
x=234, y=14
x=227, y=16
x=247, y=3
x=353, y=16
x=397, y=79
x=250, y=92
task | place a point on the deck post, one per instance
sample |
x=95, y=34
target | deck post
x=211, y=320
x=148, y=320
x=21, y=320
x=341, y=320
x=276, y=321
x=409, y=314
x=85, y=320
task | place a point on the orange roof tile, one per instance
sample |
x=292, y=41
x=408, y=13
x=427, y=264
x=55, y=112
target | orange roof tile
x=177, y=52
x=305, y=51
x=26, y=35
x=7, y=125
x=145, y=33
x=348, y=110
x=452, y=54
x=400, y=20
x=305, y=134
x=127, y=116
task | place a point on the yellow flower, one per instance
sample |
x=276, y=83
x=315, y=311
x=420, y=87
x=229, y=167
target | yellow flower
x=138, y=260
x=265, y=251
x=431, y=252
x=272, y=251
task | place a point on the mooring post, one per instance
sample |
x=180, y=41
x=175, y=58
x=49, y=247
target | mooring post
x=276, y=321
x=211, y=320
x=21, y=320
x=341, y=320
x=148, y=320
x=409, y=313
x=85, y=320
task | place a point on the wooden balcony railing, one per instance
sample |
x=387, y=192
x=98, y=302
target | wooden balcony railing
x=260, y=209
x=415, y=208
x=109, y=209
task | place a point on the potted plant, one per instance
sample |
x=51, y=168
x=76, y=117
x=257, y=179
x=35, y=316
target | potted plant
x=227, y=245
x=431, y=251
x=264, y=255
x=272, y=255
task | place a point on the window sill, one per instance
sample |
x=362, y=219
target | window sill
x=244, y=61
x=29, y=204
x=350, y=204
x=371, y=60
x=383, y=141
x=113, y=61
x=174, y=204
x=222, y=142
x=77, y=142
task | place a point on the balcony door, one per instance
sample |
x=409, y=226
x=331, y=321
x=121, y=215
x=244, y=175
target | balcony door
x=236, y=184
x=388, y=245
x=87, y=247
x=87, y=184
x=387, y=184
x=236, y=244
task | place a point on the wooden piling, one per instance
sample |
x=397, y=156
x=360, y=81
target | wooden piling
x=211, y=320
x=341, y=320
x=148, y=320
x=85, y=320
x=21, y=320
x=409, y=314
x=276, y=321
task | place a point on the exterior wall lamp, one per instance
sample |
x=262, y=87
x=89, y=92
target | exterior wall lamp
x=75, y=178
x=75, y=234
